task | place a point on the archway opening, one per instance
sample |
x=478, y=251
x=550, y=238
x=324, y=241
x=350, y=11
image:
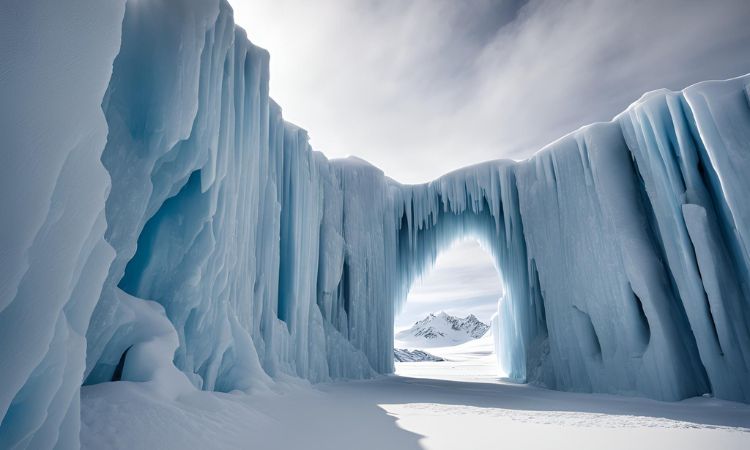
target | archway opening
x=445, y=328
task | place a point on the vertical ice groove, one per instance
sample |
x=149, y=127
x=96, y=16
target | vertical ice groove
x=179, y=233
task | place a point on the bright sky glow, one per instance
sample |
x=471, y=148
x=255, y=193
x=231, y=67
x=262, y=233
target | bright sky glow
x=464, y=280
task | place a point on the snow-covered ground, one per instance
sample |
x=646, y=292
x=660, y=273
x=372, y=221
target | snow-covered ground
x=471, y=361
x=457, y=404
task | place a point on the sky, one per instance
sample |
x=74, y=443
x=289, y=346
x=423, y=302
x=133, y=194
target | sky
x=422, y=87
x=464, y=281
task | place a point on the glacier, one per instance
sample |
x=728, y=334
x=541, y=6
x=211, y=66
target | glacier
x=164, y=225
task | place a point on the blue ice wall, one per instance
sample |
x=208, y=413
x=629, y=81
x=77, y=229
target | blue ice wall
x=53, y=188
x=169, y=228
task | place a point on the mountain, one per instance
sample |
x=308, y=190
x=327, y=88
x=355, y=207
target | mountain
x=404, y=355
x=442, y=330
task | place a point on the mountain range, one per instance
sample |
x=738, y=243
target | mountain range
x=441, y=330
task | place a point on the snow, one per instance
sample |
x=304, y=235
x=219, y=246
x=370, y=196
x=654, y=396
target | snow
x=450, y=340
x=458, y=403
x=171, y=233
x=473, y=360
x=422, y=411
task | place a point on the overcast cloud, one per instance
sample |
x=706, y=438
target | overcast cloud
x=464, y=281
x=422, y=87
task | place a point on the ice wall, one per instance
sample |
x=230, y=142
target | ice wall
x=53, y=256
x=169, y=228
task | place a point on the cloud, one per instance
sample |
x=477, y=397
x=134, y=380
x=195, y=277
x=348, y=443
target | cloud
x=422, y=87
x=464, y=280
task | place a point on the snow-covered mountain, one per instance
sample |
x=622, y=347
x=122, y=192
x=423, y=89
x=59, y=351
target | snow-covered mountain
x=441, y=330
x=404, y=355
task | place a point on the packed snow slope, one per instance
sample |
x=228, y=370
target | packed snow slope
x=164, y=225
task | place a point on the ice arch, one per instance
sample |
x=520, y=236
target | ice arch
x=170, y=228
x=463, y=280
x=480, y=201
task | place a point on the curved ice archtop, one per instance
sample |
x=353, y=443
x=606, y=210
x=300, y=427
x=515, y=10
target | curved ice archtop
x=190, y=238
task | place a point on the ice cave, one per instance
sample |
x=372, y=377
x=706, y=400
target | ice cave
x=172, y=229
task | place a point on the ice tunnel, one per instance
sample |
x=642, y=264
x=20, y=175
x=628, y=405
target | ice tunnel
x=173, y=229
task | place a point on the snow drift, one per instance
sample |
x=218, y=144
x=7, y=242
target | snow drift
x=164, y=225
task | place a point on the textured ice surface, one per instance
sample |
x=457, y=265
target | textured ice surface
x=164, y=225
x=53, y=256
